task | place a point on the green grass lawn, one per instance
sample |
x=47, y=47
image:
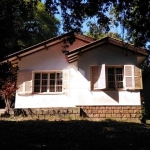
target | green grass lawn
x=74, y=135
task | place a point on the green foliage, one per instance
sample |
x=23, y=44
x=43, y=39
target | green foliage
x=145, y=68
x=98, y=32
x=145, y=113
x=24, y=23
x=132, y=15
x=74, y=13
x=46, y=26
x=134, y=18
x=15, y=22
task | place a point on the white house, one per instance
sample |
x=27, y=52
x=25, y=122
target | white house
x=103, y=72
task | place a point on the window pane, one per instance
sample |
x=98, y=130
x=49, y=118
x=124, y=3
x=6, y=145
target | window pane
x=44, y=88
x=110, y=70
x=59, y=82
x=52, y=82
x=37, y=82
x=115, y=78
x=119, y=84
x=111, y=85
x=44, y=76
x=36, y=88
x=118, y=70
x=44, y=82
x=37, y=76
x=52, y=89
x=119, y=77
x=111, y=78
x=52, y=76
x=59, y=75
x=59, y=89
x=44, y=85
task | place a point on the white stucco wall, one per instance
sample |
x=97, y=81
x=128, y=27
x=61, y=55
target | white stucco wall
x=79, y=91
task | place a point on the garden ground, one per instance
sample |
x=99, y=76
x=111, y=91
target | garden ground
x=73, y=134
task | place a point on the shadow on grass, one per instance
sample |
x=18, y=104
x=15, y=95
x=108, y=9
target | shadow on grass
x=74, y=135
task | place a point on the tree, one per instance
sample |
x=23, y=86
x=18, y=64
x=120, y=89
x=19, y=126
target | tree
x=133, y=15
x=46, y=26
x=15, y=20
x=8, y=87
x=24, y=23
x=97, y=32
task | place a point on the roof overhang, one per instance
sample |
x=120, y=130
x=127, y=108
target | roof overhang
x=73, y=55
x=44, y=45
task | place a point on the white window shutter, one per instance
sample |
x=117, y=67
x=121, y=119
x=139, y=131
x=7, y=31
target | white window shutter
x=98, y=77
x=94, y=77
x=133, y=77
x=28, y=82
x=128, y=74
x=138, y=78
x=20, y=80
x=24, y=82
x=102, y=77
x=65, y=80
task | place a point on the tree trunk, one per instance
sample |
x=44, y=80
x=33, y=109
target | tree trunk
x=7, y=102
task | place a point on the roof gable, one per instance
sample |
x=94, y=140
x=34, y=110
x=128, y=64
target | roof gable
x=45, y=45
x=73, y=55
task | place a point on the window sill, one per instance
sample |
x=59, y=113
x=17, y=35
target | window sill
x=48, y=93
x=98, y=90
x=41, y=93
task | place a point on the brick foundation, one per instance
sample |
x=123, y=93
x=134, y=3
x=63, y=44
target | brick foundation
x=43, y=113
x=101, y=112
x=131, y=112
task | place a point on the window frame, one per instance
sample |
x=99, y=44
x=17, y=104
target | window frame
x=135, y=77
x=114, y=67
x=48, y=81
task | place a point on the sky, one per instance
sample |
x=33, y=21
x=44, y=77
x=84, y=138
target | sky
x=85, y=28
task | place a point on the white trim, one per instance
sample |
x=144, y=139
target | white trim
x=48, y=81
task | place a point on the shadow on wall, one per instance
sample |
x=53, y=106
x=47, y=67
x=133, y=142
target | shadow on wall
x=113, y=94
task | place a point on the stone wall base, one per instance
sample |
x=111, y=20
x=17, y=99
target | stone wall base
x=101, y=112
x=117, y=112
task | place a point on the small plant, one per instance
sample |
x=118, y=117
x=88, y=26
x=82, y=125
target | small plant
x=145, y=113
x=8, y=87
x=8, y=91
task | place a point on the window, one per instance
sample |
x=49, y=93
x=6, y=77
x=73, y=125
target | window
x=115, y=77
x=48, y=82
x=43, y=82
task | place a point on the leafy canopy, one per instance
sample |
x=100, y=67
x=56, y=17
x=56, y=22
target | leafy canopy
x=24, y=23
x=132, y=15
